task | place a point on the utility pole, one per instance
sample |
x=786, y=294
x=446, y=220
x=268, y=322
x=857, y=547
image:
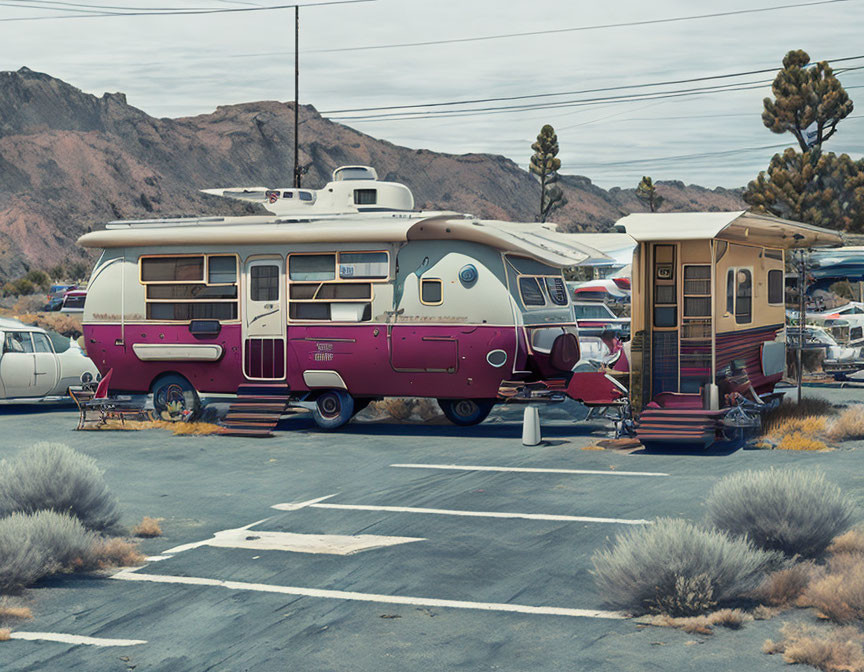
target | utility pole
x=296, y=95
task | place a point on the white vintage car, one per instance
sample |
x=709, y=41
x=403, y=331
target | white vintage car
x=32, y=366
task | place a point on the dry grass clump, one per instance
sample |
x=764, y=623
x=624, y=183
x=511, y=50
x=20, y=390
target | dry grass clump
x=5, y=634
x=52, y=476
x=830, y=650
x=801, y=441
x=848, y=426
x=849, y=542
x=10, y=611
x=783, y=587
x=796, y=512
x=177, y=428
x=115, y=552
x=405, y=409
x=703, y=625
x=593, y=447
x=837, y=592
x=676, y=568
x=148, y=527
x=809, y=407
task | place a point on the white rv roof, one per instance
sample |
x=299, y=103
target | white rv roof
x=739, y=226
x=530, y=240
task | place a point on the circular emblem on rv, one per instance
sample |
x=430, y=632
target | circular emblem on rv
x=496, y=358
x=468, y=274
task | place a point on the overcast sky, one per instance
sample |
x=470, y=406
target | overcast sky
x=183, y=65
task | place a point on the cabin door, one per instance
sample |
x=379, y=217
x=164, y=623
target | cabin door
x=264, y=319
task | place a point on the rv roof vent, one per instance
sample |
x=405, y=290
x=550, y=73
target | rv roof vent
x=354, y=173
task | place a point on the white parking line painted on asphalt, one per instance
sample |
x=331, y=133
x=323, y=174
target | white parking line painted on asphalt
x=332, y=544
x=529, y=470
x=73, y=639
x=320, y=504
x=131, y=575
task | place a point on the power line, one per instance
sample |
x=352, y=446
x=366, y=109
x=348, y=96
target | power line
x=83, y=14
x=624, y=24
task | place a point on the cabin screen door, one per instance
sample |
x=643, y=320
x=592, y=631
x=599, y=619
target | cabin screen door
x=264, y=319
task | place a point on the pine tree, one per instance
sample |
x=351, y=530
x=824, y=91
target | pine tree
x=804, y=97
x=646, y=192
x=544, y=165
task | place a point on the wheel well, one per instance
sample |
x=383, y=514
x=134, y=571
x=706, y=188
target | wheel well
x=165, y=374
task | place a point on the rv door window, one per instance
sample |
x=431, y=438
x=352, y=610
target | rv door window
x=775, y=286
x=431, y=291
x=172, y=269
x=312, y=267
x=530, y=291
x=730, y=291
x=744, y=297
x=264, y=283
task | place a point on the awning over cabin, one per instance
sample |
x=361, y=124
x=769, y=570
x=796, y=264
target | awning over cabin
x=531, y=240
x=734, y=227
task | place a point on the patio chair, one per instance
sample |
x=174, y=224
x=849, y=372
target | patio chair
x=105, y=407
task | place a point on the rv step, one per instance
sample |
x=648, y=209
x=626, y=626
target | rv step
x=256, y=410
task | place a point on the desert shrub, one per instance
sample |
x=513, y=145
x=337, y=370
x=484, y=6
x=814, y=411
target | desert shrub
x=53, y=476
x=148, y=527
x=5, y=634
x=22, y=563
x=794, y=511
x=24, y=286
x=830, y=650
x=789, y=410
x=399, y=408
x=849, y=542
x=848, y=425
x=801, y=441
x=838, y=593
x=38, y=278
x=677, y=568
x=784, y=586
x=703, y=625
x=115, y=552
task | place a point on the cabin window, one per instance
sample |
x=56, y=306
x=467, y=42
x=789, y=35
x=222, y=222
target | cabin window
x=362, y=265
x=529, y=290
x=264, y=283
x=730, y=291
x=287, y=194
x=172, y=269
x=365, y=196
x=697, y=291
x=186, y=287
x=557, y=291
x=431, y=291
x=744, y=297
x=775, y=286
x=305, y=195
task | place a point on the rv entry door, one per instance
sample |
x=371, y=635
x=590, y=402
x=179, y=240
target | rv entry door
x=264, y=320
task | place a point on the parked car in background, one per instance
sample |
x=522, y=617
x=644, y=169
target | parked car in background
x=613, y=290
x=35, y=366
x=73, y=301
x=55, y=296
x=595, y=317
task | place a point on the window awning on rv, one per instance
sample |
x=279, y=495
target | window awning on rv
x=734, y=227
x=532, y=240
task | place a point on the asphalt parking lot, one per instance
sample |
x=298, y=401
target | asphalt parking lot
x=388, y=549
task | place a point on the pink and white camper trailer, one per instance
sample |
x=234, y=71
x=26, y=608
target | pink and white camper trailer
x=344, y=296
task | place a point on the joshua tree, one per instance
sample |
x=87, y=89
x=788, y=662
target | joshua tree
x=646, y=192
x=544, y=166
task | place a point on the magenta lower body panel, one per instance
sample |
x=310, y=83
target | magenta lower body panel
x=372, y=359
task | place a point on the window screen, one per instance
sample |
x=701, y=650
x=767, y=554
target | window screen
x=744, y=297
x=172, y=269
x=697, y=280
x=192, y=311
x=222, y=270
x=264, y=283
x=557, y=291
x=530, y=291
x=365, y=196
x=312, y=267
x=431, y=291
x=775, y=286
x=362, y=265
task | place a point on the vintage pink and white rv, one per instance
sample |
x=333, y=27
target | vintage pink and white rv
x=344, y=295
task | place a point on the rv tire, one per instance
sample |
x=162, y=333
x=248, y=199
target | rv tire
x=175, y=399
x=333, y=409
x=466, y=412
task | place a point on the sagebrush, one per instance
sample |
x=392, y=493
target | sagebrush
x=677, y=568
x=830, y=650
x=796, y=512
x=837, y=592
x=52, y=476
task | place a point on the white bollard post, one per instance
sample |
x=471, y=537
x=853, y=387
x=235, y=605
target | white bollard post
x=531, y=427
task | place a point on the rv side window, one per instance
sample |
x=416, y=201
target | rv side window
x=312, y=267
x=264, y=283
x=365, y=196
x=222, y=270
x=744, y=297
x=530, y=291
x=363, y=265
x=172, y=269
x=730, y=291
x=775, y=286
x=431, y=291
x=557, y=291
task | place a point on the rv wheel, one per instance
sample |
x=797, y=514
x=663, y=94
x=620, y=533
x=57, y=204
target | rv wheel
x=174, y=399
x=333, y=409
x=466, y=411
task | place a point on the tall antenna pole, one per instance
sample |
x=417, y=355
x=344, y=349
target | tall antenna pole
x=296, y=95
